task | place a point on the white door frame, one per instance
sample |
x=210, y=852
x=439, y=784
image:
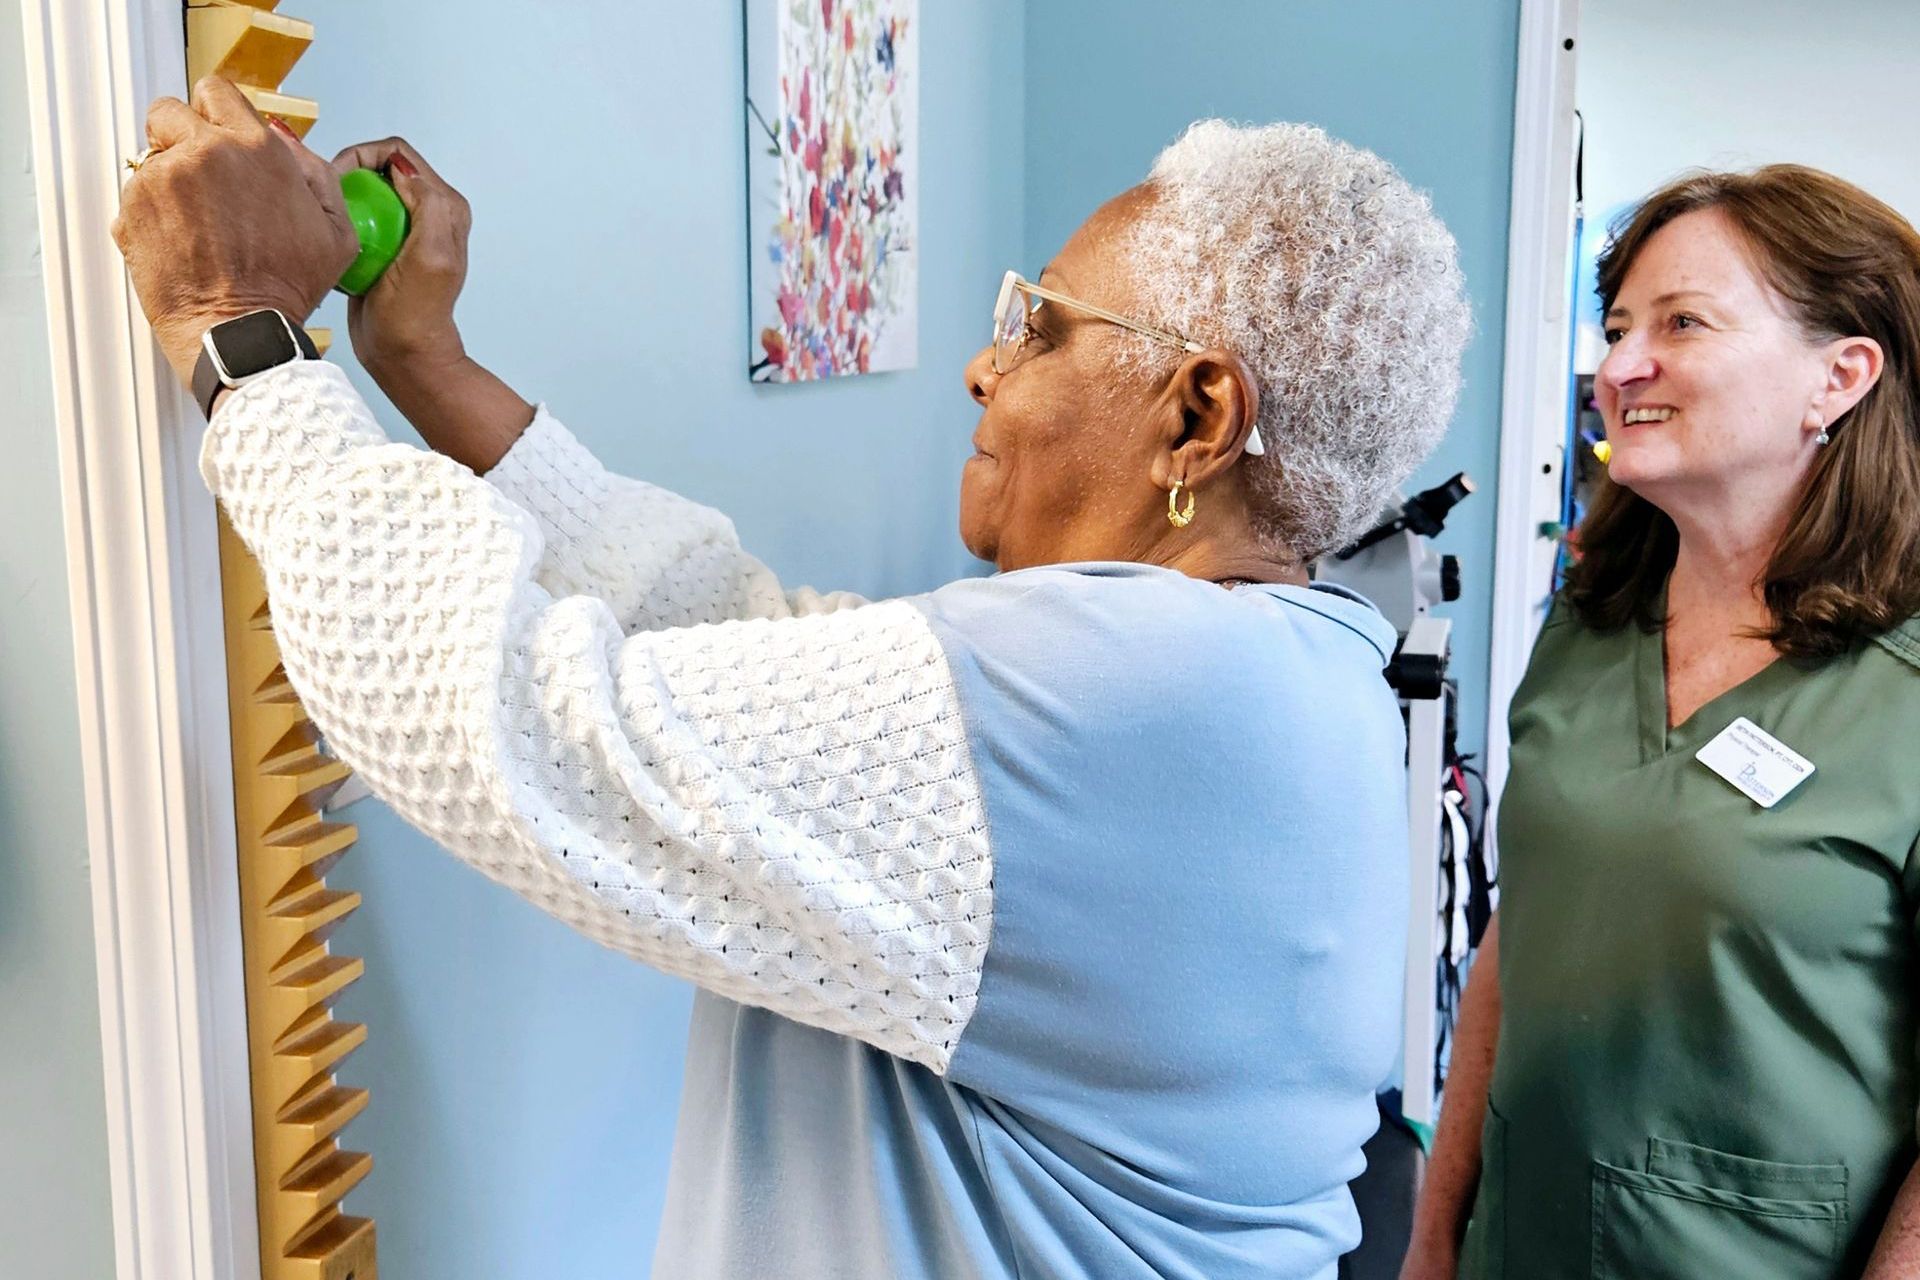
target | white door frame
x=1533, y=400
x=144, y=579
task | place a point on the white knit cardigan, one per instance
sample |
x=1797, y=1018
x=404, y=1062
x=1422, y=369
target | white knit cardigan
x=582, y=685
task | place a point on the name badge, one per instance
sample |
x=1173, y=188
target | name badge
x=1759, y=765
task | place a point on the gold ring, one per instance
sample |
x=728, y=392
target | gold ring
x=141, y=159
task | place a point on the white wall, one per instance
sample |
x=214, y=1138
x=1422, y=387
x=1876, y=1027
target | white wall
x=1670, y=84
x=55, y=1208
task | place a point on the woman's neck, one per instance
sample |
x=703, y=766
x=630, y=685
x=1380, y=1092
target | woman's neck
x=1235, y=565
x=1728, y=532
x=1719, y=569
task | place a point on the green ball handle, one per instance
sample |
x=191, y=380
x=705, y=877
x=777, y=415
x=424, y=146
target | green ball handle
x=379, y=219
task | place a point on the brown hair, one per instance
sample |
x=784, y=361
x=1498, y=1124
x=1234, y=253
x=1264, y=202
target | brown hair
x=1847, y=566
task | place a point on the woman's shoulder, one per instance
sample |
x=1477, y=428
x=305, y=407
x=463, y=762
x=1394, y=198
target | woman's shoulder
x=1567, y=623
x=1903, y=642
x=1100, y=637
x=1570, y=658
x=1145, y=608
x=1059, y=611
x=1564, y=629
x=1067, y=595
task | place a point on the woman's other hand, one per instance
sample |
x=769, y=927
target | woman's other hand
x=402, y=328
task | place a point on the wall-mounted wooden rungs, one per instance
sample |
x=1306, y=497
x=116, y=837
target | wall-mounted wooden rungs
x=292, y=1076
x=317, y=1044
x=316, y=979
x=315, y=1119
x=285, y=726
x=307, y=770
x=286, y=936
x=319, y=1183
x=298, y=114
x=277, y=689
x=282, y=775
x=247, y=45
x=309, y=841
x=316, y=909
x=337, y=1247
x=291, y=734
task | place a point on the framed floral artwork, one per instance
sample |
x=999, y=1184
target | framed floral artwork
x=832, y=121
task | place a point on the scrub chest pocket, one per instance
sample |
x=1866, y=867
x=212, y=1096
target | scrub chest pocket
x=1700, y=1212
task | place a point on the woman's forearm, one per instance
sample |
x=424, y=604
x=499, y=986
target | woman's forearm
x=1453, y=1171
x=459, y=408
x=1898, y=1253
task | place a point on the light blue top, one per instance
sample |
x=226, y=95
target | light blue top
x=1196, y=805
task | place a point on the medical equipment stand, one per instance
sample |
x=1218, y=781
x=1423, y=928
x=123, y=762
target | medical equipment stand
x=1396, y=567
x=1425, y=694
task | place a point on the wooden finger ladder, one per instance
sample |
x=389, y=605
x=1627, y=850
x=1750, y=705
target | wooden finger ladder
x=281, y=778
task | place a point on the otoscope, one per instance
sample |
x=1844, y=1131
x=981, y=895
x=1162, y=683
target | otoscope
x=379, y=219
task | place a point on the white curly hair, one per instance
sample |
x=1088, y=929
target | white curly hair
x=1331, y=277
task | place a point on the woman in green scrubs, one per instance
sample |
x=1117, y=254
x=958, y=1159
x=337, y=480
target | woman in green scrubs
x=1696, y=1056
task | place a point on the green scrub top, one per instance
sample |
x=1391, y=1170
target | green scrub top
x=1706, y=1064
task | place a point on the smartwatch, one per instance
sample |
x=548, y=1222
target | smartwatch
x=235, y=352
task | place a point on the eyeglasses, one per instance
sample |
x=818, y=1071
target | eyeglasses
x=1013, y=324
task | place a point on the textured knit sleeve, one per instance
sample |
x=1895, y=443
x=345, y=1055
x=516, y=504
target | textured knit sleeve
x=656, y=558
x=783, y=810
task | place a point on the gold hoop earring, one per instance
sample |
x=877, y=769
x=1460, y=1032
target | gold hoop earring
x=1175, y=516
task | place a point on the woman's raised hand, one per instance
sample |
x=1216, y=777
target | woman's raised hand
x=222, y=219
x=403, y=328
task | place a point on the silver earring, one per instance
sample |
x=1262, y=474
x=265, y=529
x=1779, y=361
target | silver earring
x=1823, y=437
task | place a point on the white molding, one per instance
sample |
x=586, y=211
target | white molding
x=143, y=575
x=1534, y=389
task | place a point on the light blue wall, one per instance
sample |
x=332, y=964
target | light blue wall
x=55, y=1212
x=524, y=1081
x=1428, y=86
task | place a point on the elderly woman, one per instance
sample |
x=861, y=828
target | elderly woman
x=1704, y=1007
x=1047, y=925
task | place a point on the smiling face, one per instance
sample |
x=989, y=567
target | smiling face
x=1751, y=314
x=1063, y=463
x=1709, y=384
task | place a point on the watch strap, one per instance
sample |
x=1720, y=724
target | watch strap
x=206, y=374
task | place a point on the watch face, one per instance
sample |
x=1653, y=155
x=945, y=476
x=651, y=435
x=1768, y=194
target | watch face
x=254, y=343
